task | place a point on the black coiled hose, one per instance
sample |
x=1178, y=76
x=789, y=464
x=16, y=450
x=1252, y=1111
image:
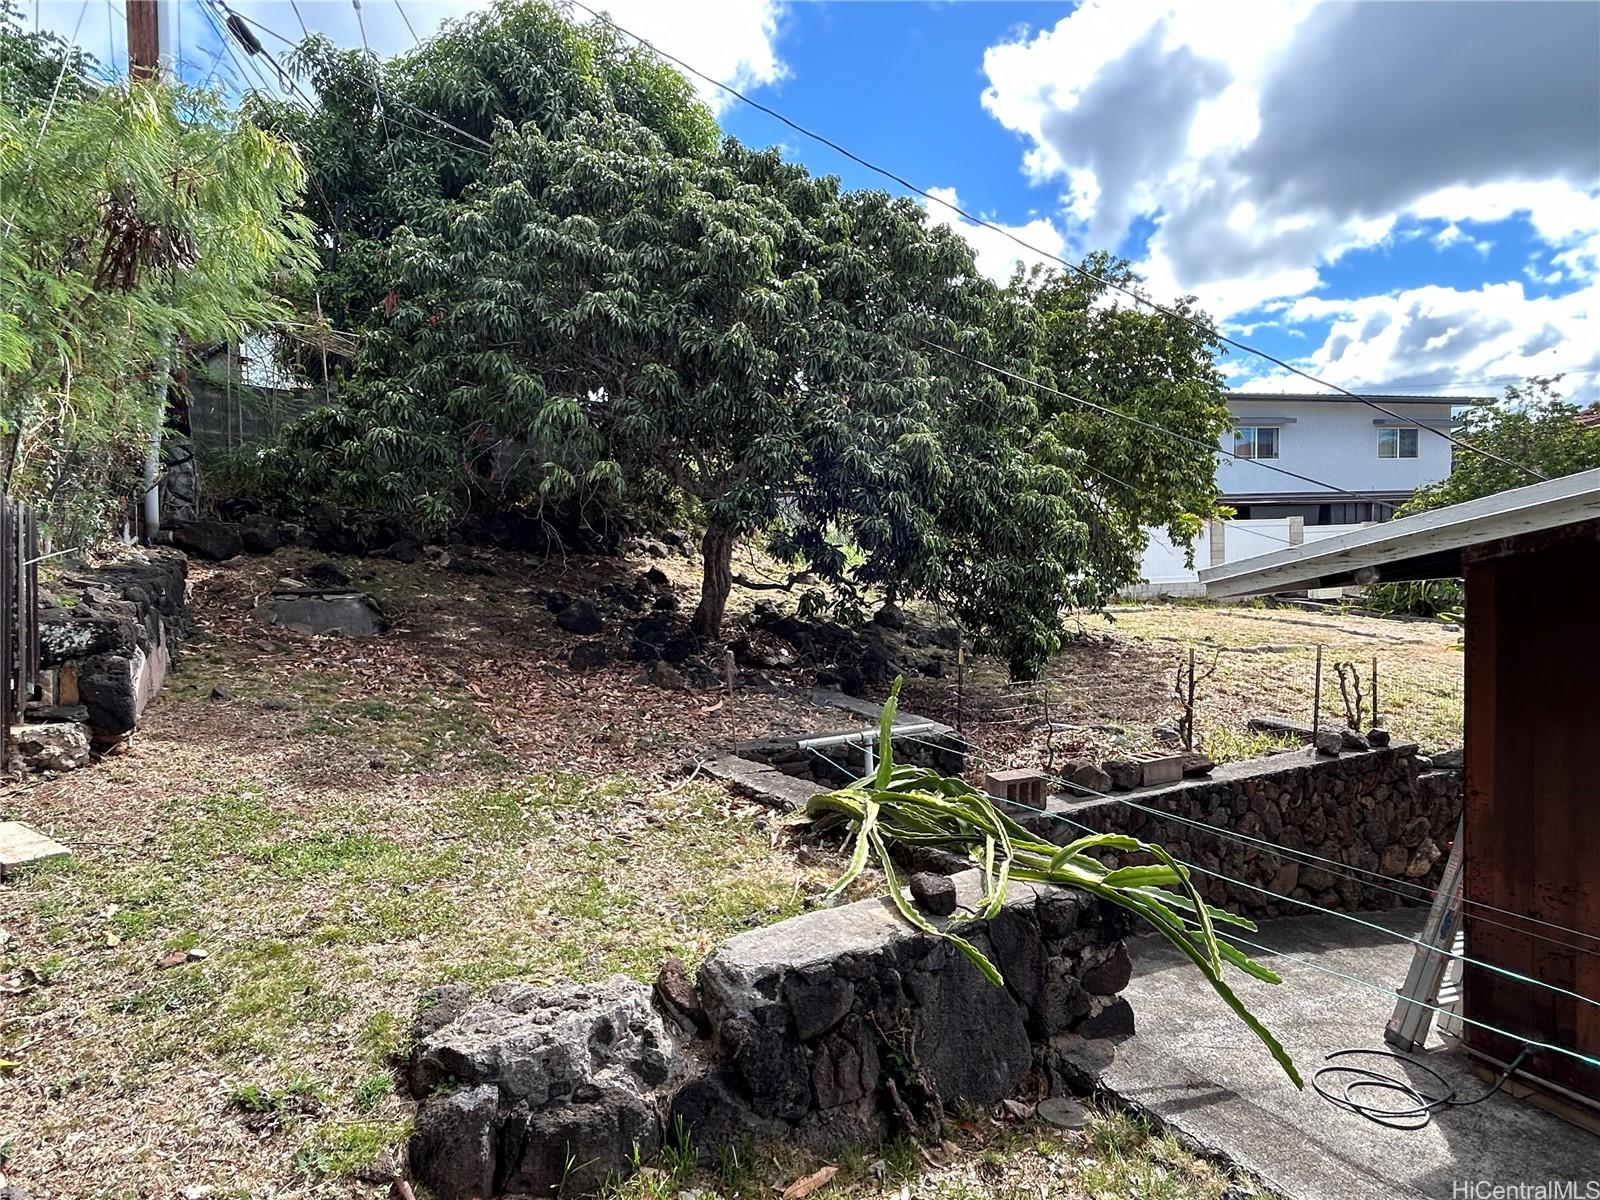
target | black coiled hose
x=1370, y=1079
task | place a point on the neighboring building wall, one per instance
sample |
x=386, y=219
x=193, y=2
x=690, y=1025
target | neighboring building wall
x=1336, y=443
x=1166, y=572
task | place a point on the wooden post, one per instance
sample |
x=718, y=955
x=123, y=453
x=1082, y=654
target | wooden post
x=1316, y=699
x=144, y=39
x=1374, y=691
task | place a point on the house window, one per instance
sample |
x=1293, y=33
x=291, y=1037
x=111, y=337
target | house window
x=1397, y=443
x=1255, y=441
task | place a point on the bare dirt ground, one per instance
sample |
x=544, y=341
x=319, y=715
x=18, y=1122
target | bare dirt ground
x=1113, y=687
x=205, y=999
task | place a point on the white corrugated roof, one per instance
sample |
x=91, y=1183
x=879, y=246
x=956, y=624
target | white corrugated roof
x=1425, y=546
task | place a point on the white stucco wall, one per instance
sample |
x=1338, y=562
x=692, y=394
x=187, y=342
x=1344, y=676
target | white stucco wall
x=1165, y=570
x=1336, y=443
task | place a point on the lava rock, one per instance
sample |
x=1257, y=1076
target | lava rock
x=586, y=656
x=453, y=1145
x=260, y=534
x=1378, y=737
x=1124, y=773
x=890, y=617
x=353, y=614
x=581, y=617
x=675, y=992
x=403, y=551
x=65, y=635
x=553, y=601
x=1448, y=760
x=1085, y=776
x=1114, y=1020
x=934, y=893
x=214, y=540
x=108, y=687
x=326, y=574
x=1329, y=741
x=664, y=675
x=1349, y=739
x=1111, y=976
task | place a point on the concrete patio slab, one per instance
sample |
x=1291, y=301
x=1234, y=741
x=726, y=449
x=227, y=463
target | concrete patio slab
x=1195, y=1069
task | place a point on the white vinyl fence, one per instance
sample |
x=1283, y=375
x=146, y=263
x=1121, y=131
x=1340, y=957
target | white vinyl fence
x=1166, y=570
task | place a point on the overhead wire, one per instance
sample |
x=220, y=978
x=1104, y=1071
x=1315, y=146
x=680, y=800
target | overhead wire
x=1260, y=947
x=1377, y=882
x=1150, y=425
x=392, y=98
x=1390, y=992
x=400, y=8
x=377, y=91
x=1133, y=293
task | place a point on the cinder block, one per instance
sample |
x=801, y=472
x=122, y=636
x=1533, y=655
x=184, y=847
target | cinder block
x=1020, y=785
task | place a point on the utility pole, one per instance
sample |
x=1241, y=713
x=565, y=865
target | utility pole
x=149, y=35
x=144, y=39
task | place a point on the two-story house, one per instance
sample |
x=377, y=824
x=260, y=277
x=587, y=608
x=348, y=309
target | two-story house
x=1369, y=461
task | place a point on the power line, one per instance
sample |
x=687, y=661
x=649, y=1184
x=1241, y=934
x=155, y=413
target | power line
x=393, y=99
x=1183, y=437
x=400, y=8
x=1133, y=293
x=377, y=67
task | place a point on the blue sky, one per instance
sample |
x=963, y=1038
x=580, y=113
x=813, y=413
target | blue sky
x=1395, y=196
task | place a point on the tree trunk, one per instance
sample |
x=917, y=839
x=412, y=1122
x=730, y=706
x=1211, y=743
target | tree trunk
x=715, y=583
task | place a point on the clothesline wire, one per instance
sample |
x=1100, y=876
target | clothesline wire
x=1375, y=880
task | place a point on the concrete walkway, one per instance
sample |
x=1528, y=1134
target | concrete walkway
x=1195, y=1069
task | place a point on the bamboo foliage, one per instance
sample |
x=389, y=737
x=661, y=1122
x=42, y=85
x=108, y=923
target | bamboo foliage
x=917, y=806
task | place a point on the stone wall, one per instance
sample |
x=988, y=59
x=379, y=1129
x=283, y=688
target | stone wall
x=1385, y=812
x=107, y=635
x=839, y=1027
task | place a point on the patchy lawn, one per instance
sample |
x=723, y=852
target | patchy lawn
x=305, y=833
x=1115, y=1156
x=206, y=995
x=1110, y=689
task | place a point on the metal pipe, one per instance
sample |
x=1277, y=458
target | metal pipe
x=869, y=736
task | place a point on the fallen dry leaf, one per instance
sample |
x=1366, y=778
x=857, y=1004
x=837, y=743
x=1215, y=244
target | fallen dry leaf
x=804, y=1186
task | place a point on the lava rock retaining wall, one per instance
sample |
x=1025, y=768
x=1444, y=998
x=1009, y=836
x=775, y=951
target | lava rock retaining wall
x=837, y=1027
x=107, y=635
x=1382, y=813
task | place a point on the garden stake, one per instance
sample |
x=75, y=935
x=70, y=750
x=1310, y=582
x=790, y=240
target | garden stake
x=1316, y=699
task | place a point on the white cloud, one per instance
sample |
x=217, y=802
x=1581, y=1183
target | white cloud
x=1465, y=341
x=1264, y=141
x=997, y=254
x=730, y=40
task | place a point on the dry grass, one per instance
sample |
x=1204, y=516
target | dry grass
x=362, y=820
x=989, y=1158
x=359, y=821
x=1114, y=685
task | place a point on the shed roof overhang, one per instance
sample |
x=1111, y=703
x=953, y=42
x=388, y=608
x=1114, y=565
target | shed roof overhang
x=1429, y=545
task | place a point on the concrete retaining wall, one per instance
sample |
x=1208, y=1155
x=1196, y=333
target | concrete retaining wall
x=839, y=1027
x=1373, y=811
